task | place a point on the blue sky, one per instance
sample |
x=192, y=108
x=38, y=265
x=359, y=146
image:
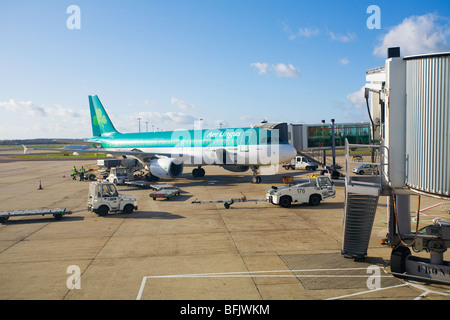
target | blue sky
x=172, y=63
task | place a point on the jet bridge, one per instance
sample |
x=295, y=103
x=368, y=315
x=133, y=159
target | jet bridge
x=408, y=104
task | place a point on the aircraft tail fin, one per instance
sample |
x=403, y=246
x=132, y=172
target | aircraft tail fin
x=101, y=124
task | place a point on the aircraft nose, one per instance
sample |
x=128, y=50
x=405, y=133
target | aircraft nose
x=288, y=152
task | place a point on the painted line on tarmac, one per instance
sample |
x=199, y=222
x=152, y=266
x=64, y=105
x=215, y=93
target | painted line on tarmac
x=255, y=274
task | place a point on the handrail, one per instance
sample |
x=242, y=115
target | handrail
x=384, y=161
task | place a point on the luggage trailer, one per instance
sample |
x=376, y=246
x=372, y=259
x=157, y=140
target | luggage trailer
x=57, y=213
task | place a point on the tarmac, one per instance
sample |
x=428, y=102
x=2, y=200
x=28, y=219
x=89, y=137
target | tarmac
x=177, y=250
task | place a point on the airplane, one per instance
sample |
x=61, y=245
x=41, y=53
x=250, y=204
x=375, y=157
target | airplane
x=165, y=154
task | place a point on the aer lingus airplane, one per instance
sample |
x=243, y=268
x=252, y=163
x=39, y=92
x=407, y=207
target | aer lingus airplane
x=164, y=154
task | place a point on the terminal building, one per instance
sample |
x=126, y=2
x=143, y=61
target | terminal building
x=313, y=140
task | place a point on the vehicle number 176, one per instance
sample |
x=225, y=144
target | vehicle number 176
x=301, y=190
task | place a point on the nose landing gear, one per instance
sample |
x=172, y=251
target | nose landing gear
x=256, y=178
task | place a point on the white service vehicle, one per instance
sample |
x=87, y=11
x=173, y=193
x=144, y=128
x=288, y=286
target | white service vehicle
x=300, y=162
x=104, y=197
x=120, y=175
x=315, y=190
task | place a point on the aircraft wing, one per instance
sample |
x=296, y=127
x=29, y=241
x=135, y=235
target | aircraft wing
x=86, y=149
x=77, y=142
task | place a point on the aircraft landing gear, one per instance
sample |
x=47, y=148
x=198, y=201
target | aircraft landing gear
x=151, y=178
x=256, y=178
x=198, y=172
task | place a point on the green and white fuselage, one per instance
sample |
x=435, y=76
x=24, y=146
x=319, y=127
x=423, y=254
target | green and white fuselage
x=235, y=149
x=232, y=146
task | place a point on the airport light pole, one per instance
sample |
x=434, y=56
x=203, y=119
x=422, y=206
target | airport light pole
x=333, y=144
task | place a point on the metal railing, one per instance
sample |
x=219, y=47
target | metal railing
x=382, y=165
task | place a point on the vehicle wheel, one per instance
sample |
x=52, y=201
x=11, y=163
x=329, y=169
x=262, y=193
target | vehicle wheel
x=115, y=182
x=314, y=200
x=256, y=179
x=128, y=209
x=285, y=202
x=398, y=259
x=195, y=173
x=361, y=172
x=102, y=211
x=226, y=205
x=201, y=172
x=92, y=177
x=287, y=168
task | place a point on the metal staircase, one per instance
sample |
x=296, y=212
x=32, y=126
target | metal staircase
x=361, y=200
x=360, y=211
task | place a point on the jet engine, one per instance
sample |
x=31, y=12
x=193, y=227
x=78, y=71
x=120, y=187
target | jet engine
x=165, y=168
x=235, y=168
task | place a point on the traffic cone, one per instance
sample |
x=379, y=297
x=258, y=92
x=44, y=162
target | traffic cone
x=40, y=185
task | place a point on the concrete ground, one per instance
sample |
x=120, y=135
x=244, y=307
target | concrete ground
x=179, y=250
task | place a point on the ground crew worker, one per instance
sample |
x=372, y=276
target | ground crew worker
x=82, y=173
x=74, y=173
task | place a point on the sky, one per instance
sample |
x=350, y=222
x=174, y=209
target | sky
x=184, y=64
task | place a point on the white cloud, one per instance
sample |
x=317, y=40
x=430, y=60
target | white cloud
x=357, y=98
x=415, y=35
x=262, y=67
x=307, y=32
x=350, y=36
x=27, y=108
x=182, y=104
x=24, y=119
x=344, y=61
x=286, y=71
x=304, y=33
x=158, y=118
x=61, y=112
x=354, y=108
x=281, y=70
x=301, y=33
x=149, y=103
